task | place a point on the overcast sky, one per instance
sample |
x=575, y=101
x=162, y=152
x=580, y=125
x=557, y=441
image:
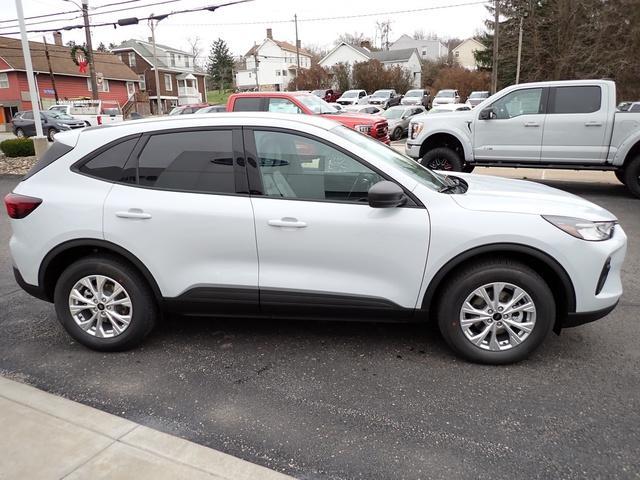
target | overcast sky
x=242, y=25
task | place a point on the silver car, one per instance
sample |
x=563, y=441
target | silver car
x=446, y=96
x=398, y=119
x=417, y=96
x=476, y=98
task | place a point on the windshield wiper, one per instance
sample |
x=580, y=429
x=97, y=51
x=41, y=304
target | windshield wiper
x=448, y=188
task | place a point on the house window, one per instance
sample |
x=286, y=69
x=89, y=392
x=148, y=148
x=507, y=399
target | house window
x=284, y=73
x=143, y=83
x=277, y=73
x=186, y=61
x=173, y=59
x=4, y=80
x=131, y=89
x=456, y=53
x=168, y=86
x=424, y=53
x=101, y=88
x=132, y=59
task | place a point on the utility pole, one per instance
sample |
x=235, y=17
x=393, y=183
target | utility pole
x=519, y=51
x=496, y=28
x=53, y=79
x=295, y=20
x=87, y=34
x=256, y=62
x=155, y=64
x=40, y=142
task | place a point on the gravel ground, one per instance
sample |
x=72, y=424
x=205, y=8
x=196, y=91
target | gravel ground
x=15, y=166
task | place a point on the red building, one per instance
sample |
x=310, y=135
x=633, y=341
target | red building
x=120, y=82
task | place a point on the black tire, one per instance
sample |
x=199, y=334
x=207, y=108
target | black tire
x=397, y=133
x=20, y=133
x=51, y=133
x=465, y=281
x=632, y=176
x=468, y=168
x=442, y=158
x=620, y=175
x=144, y=306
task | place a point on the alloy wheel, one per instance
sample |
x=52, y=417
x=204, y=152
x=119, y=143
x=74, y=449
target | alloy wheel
x=440, y=164
x=100, y=306
x=498, y=316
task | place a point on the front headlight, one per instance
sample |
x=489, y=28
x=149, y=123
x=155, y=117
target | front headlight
x=414, y=129
x=363, y=129
x=64, y=126
x=583, y=229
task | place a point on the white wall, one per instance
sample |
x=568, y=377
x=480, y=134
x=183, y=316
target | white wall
x=273, y=67
x=343, y=54
x=463, y=53
x=428, y=49
x=413, y=66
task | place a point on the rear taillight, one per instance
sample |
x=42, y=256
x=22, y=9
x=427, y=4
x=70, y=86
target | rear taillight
x=99, y=118
x=19, y=206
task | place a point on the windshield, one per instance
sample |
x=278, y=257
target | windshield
x=393, y=113
x=414, y=93
x=57, y=115
x=382, y=93
x=176, y=111
x=445, y=93
x=479, y=95
x=318, y=93
x=316, y=105
x=350, y=93
x=391, y=157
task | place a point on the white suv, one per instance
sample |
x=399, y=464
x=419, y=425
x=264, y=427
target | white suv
x=277, y=215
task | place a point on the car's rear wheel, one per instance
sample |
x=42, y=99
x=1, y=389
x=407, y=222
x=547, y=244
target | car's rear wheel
x=632, y=176
x=20, y=133
x=442, y=158
x=620, y=175
x=104, y=303
x=51, y=133
x=496, y=311
x=397, y=134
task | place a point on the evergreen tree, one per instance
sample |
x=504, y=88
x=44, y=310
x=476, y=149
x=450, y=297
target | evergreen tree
x=220, y=65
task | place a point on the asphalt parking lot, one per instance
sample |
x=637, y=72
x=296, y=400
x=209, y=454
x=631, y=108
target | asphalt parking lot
x=368, y=401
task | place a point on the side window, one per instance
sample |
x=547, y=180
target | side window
x=579, y=99
x=520, y=102
x=27, y=116
x=298, y=167
x=361, y=94
x=635, y=108
x=248, y=104
x=283, y=105
x=200, y=161
x=108, y=164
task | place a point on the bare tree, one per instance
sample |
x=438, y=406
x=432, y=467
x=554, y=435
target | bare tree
x=195, y=49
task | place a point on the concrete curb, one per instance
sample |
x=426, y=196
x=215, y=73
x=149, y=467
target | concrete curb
x=50, y=437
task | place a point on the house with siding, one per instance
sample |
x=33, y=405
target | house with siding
x=181, y=81
x=120, y=82
x=428, y=49
x=464, y=53
x=345, y=53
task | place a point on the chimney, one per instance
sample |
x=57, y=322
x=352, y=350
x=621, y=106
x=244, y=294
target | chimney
x=366, y=44
x=269, y=34
x=57, y=38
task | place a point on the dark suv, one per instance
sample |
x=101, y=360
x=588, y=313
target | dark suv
x=52, y=123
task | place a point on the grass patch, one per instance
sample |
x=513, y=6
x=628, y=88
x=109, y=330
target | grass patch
x=216, y=97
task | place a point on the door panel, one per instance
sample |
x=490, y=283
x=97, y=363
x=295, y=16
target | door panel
x=516, y=132
x=575, y=127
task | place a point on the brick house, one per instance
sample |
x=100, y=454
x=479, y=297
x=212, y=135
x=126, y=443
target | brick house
x=120, y=82
x=181, y=82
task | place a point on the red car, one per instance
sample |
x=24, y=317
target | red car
x=307, y=103
x=328, y=95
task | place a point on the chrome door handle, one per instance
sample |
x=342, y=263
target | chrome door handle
x=135, y=213
x=287, y=222
x=531, y=124
x=593, y=124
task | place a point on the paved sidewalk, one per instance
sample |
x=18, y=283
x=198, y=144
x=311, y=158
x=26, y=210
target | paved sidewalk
x=48, y=437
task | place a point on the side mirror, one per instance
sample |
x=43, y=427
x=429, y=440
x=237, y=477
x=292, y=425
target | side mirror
x=487, y=114
x=386, y=194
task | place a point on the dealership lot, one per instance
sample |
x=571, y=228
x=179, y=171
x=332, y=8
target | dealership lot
x=334, y=400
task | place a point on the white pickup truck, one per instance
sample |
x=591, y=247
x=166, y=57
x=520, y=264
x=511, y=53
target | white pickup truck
x=91, y=112
x=563, y=125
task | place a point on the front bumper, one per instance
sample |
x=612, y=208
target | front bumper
x=575, y=319
x=412, y=149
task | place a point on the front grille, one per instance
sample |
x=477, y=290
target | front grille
x=381, y=130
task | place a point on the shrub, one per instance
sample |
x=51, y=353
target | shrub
x=18, y=147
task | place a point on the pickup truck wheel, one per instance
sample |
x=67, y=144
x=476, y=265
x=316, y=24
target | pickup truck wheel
x=468, y=168
x=632, y=176
x=442, y=158
x=620, y=174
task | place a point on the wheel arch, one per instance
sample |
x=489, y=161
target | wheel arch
x=552, y=272
x=61, y=256
x=633, y=152
x=446, y=139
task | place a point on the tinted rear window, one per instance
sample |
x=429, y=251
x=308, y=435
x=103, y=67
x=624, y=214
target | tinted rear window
x=579, y=99
x=55, y=151
x=248, y=104
x=108, y=164
x=200, y=161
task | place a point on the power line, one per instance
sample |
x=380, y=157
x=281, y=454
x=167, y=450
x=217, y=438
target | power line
x=133, y=20
x=46, y=15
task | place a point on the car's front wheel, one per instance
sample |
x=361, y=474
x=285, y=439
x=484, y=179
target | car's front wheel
x=104, y=303
x=442, y=158
x=632, y=176
x=397, y=134
x=496, y=311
